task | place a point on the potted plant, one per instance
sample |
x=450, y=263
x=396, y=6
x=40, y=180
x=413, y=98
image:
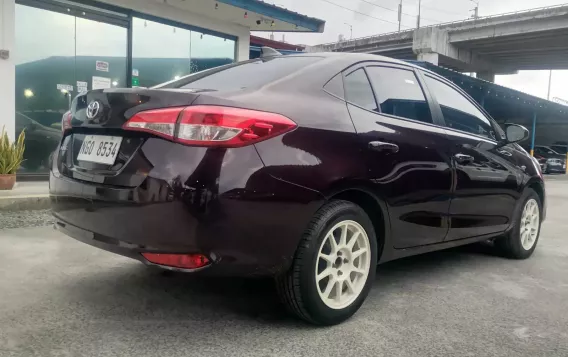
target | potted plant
x=11, y=156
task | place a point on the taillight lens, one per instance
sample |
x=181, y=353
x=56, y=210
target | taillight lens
x=205, y=125
x=184, y=261
x=161, y=122
x=66, y=121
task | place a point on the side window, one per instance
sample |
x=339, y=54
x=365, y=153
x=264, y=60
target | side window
x=459, y=113
x=399, y=93
x=358, y=90
x=335, y=86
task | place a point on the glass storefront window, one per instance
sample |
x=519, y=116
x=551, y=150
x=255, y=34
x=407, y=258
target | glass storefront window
x=163, y=52
x=100, y=52
x=159, y=52
x=61, y=54
x=58, y=53
x=208, y=51
x=45, y=57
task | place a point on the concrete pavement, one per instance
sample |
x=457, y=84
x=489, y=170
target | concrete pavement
x=26, y=195
x=59, y=297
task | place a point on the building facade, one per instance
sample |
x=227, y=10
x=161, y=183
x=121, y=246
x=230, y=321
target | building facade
x=52, y=50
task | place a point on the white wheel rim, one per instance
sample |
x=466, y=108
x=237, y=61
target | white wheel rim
x=530, y=221
x=343, y=263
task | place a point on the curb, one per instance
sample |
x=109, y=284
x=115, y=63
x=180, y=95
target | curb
x=22, y=203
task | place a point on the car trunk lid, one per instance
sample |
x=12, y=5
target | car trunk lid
x=97, y=118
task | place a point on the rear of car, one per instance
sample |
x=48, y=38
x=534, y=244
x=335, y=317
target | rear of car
x=550, y=160
x=555, y=165
x=171, y=175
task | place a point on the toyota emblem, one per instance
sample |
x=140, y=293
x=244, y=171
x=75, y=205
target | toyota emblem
x=93, y=109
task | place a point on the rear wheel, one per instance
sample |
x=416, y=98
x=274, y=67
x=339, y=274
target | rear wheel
x=334, y=266
x=521, y=241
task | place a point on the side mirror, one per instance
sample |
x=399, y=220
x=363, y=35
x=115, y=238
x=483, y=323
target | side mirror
x=516, y=133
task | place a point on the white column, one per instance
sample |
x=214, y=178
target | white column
x=243, y=46
x=429, y=57
x=7, y=68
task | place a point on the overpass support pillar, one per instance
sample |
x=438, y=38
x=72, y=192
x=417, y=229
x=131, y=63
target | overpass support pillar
x=486, y=76
x=430, y=57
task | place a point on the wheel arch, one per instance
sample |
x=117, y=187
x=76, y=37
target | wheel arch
x=538, y=187
x=372, y=205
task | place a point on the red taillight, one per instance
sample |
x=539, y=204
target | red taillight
x=205, y=125
x=66, y=121
x=184, y=261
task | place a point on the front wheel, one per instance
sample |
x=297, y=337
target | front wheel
x=521, y=241
x=334, y=266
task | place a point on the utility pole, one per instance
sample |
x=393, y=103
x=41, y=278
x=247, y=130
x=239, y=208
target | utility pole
x=549, y=82
x=399, y=14
x=350, y=29
x=418, y=18
x=475, y=9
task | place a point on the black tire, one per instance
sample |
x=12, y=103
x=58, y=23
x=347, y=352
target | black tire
x=510, y=245
x=298, y=288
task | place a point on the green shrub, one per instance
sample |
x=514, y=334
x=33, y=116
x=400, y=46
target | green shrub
x=11, y=153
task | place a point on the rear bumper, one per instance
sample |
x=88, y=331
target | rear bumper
x=558, y=169
x=112, y=245
x=246, y=225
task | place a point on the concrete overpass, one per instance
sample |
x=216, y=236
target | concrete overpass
x=506, y=43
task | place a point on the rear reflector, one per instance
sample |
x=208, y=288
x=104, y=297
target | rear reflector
x=184, y=261
x=205, y=125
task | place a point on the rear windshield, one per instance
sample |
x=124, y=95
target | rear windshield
x=249, y=74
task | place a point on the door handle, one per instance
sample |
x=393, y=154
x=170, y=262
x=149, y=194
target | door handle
x=463, y=158
x=382, y=146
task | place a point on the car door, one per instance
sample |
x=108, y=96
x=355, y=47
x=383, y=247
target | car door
x=487, y=178
x=405, y=151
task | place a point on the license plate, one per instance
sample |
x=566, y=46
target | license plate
x=100, y=149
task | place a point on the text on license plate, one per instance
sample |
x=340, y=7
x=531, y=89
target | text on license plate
x=100, y=148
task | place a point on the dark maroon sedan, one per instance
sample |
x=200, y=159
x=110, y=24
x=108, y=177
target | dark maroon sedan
x=309, y=168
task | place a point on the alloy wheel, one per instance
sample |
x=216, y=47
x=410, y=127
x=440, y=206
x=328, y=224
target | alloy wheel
x=530, y=221
x=343, y=264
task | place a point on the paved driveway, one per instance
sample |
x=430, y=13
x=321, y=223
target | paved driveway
x=59, y=297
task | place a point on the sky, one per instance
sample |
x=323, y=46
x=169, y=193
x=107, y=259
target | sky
x=432, y=11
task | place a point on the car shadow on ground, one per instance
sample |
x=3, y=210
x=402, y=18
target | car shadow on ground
x=133, y=292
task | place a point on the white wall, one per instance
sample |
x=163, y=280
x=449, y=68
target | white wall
x=167, y=11
x=7, y=68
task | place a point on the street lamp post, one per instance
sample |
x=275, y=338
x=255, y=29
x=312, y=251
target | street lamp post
x=399, y=15
x=350, y=30
x=475, y=9
x=418, y=18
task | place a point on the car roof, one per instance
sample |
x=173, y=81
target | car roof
x=358, y=57
x=338, y=61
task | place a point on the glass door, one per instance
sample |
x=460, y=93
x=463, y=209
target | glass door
x=101, y=55
x=160, y=52
x=45, y=62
